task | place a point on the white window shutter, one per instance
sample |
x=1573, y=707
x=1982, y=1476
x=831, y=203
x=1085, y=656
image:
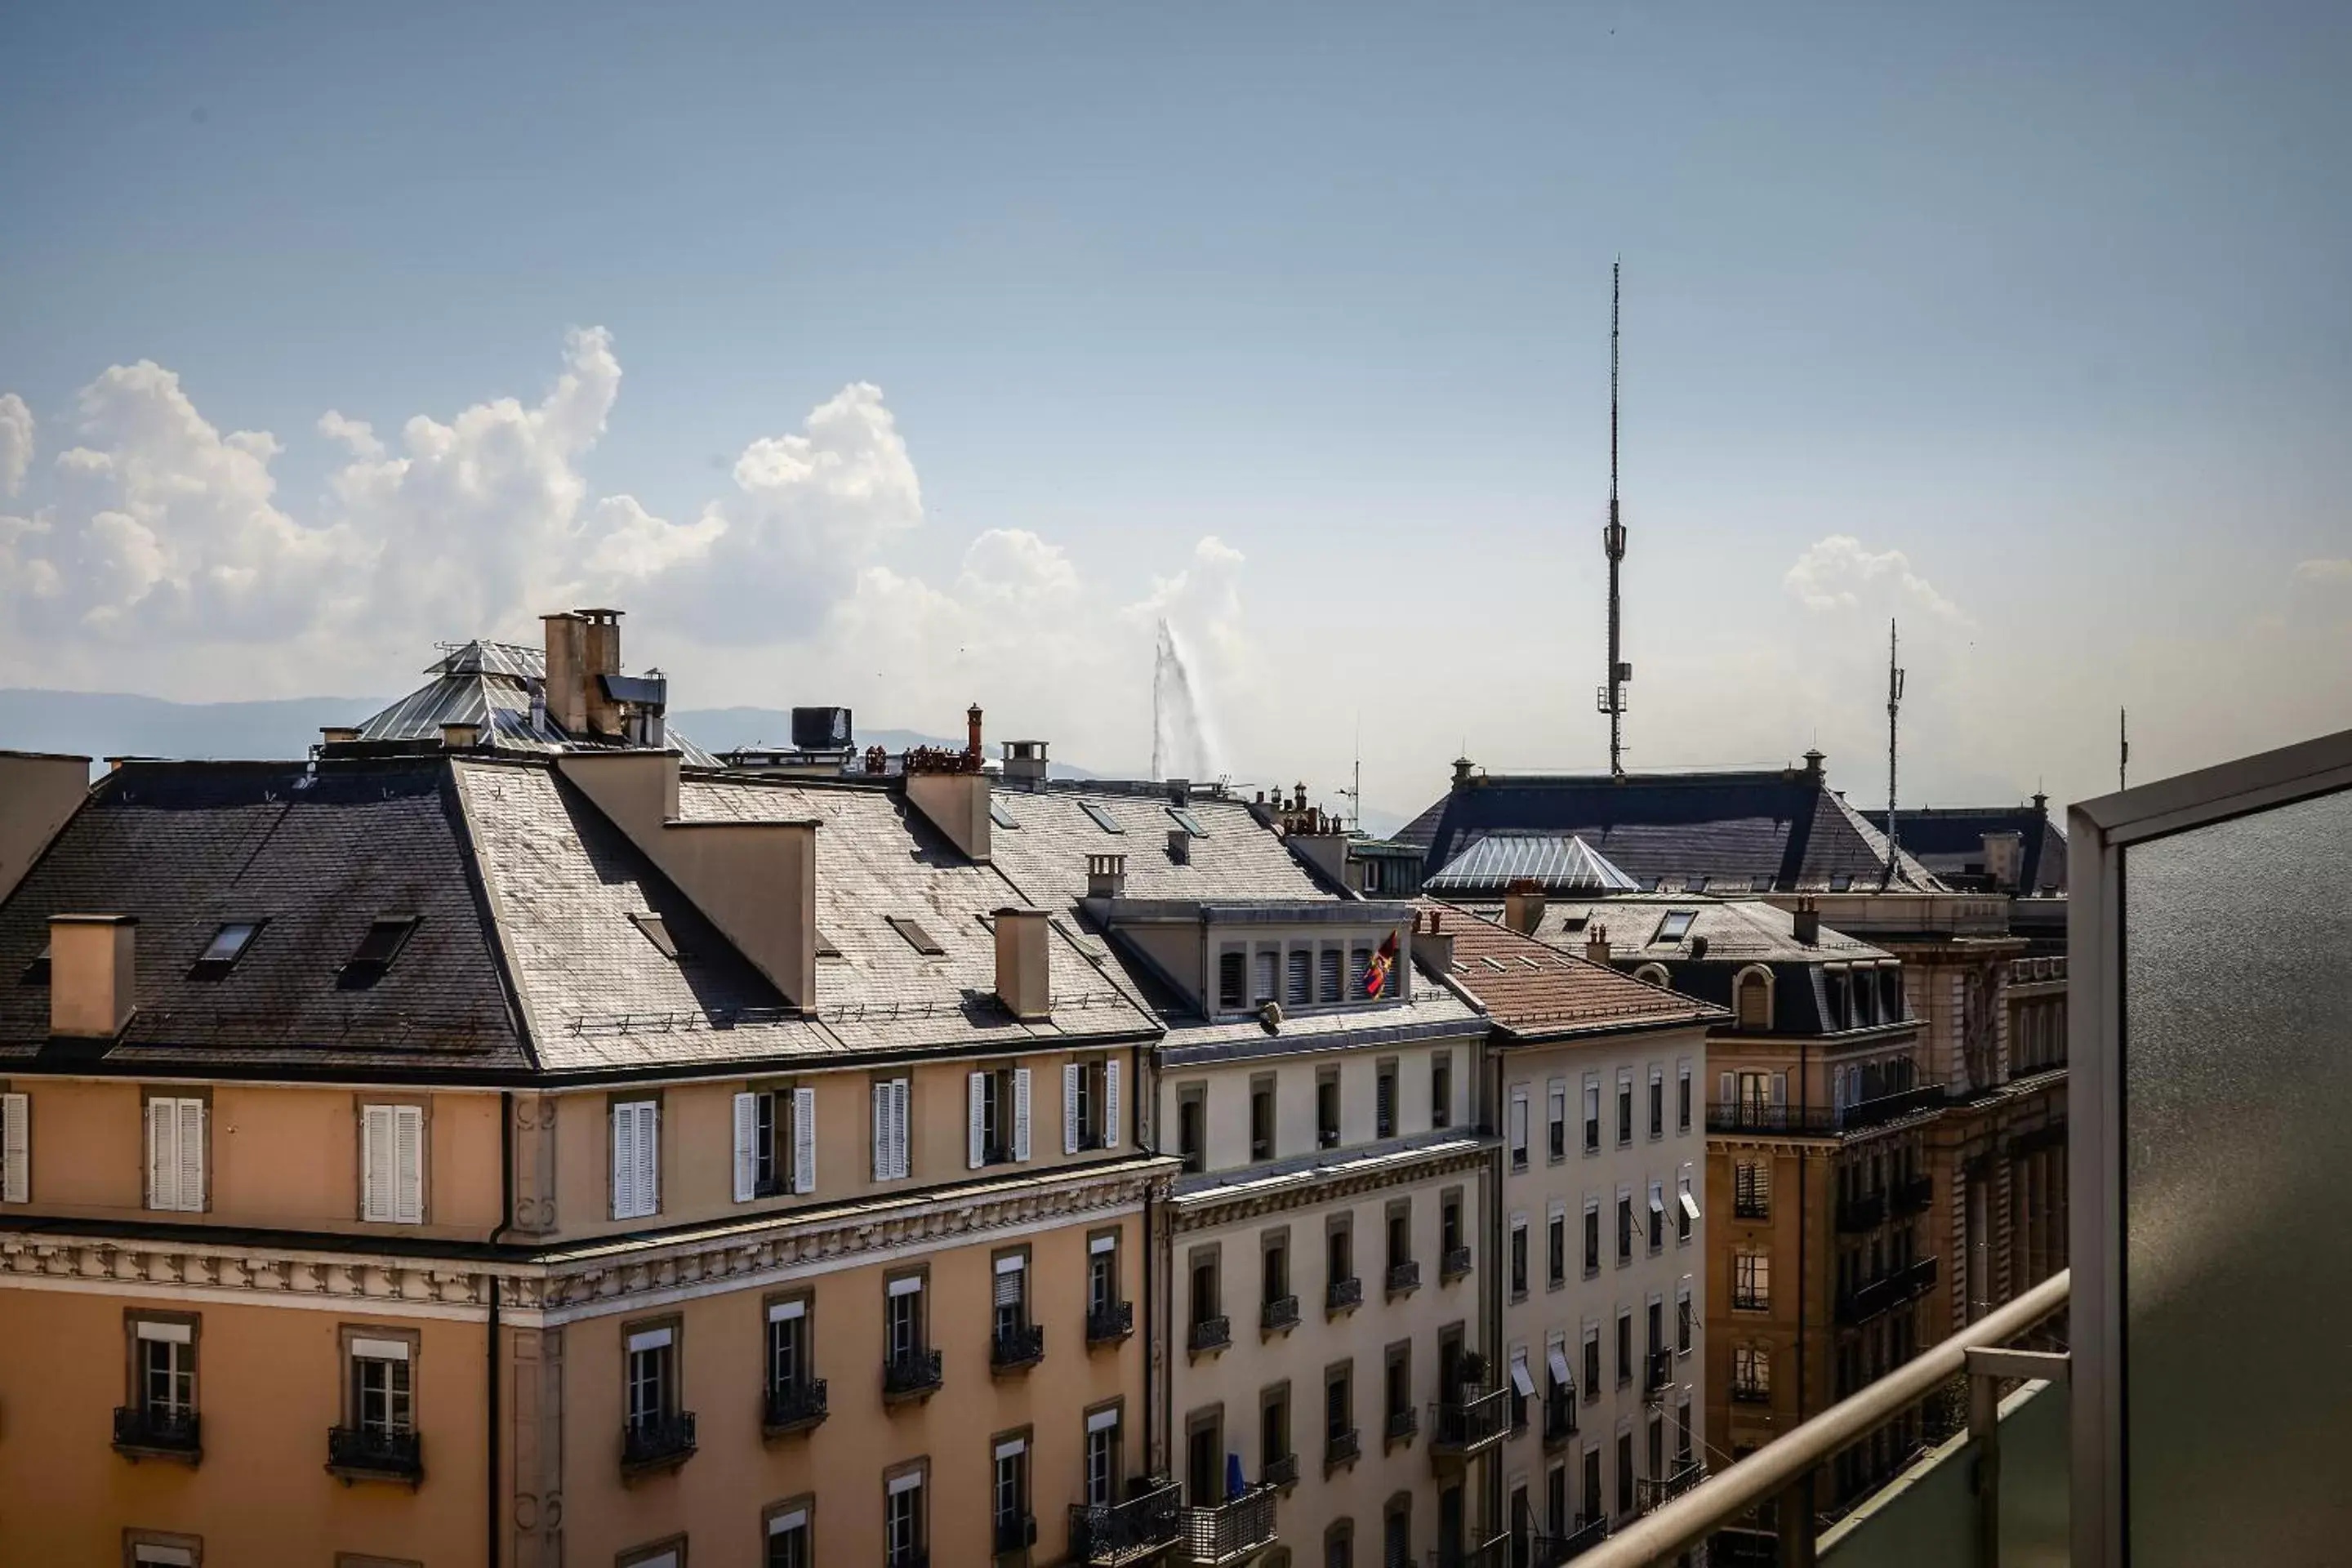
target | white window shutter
x=375, y=1163
x=649, y=1158
x=1021, y=1113
x=1726, y=1087
x=882, y=1132
x=408, y=1163
x=162, y=1170
x=1779, y=1089
x=976, y=1118
x=804, y=1140
x=625, y=1138
x=1110, y=1103
x=192, y=1154
x=898, y=1100
x=15, y=1155
x=747, y=1126
x=1070, y=1107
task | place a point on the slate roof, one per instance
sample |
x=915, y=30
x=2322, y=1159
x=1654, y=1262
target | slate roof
x=1238, y=858
x=488, y=684
x=1950, y=841
x=319, y=855
x=1534, y=991
x=1781, y=829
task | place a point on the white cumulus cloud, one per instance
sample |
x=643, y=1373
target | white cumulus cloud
x=16, y=442
x=1839, y=573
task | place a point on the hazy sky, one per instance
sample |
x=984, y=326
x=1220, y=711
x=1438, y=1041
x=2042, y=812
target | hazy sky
x=907, y=356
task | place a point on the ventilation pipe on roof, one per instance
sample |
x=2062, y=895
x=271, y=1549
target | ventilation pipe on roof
x=1023, y=975
x=1523, y=906
x=93, y=974
x=37, y=793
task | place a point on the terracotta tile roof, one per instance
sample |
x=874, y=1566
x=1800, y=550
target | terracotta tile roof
x=1533, y=991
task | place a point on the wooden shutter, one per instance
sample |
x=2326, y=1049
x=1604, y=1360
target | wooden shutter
x=975, y=1101
x=162, y=1169
x=16, y=1152
x=649, y=1157
x=747, y=1130
x=1110, y=1103
x=882, y=1132
x=408, y=1163
x=1070, y=1107
x=1020, y=1113
x=192, y=1154
x=624, y=1143
x=903, y=1162
x=804, y=1140
x=375, y=1163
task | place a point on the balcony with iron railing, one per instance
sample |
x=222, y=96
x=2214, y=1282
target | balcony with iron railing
x=1278, y=1316
x=1231, y=1532
x=1342, y=1296
x=1652, y=1493
x=1559, y=1416
x=1280, y=1470
x=1209, y=1336
x=1750, y=1393
x=1461, y=1428
x=1913, y=1196
x=1820, y=1121
x=1013, y=1533
x=1889, y=1290
x=1551, y=1551
x=796, y=1405
x=1110, y=1324
x=158, y=1432
x=1453, y=1264
x=1402, y=1425
x=1404, y=1279
x=912, y=1375
x=1863, y=1210
x=1657, y=1375
x=1146, y=1524
x=1992, y=1492
x=1342, y=1447
x=1495, y=1552
x=375, y=1453
x=660, y=1442
x=1016, y=1348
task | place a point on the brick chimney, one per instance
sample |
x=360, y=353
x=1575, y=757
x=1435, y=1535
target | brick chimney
x=37, y=792
x=567, y=663
x=971, y=731
x=1106, y=875
x=601, y=656
x=1433, y=946
x=1596, y=942
x=1809, y=921
x=93, y=974
x=1523, y=906
x=1024, y=975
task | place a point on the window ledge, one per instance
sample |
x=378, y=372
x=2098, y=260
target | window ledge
x=134, y=1452
x=410, y=1478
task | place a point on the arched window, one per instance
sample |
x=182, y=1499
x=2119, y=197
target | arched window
x=1654, y=974
x=1755, y=1000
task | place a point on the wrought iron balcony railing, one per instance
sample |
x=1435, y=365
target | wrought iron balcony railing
x=170, y=1431
x=392, y=1452
x=1017, y=1349
x=1749, y=1300
x=1282, y=1470
x=1471, y=1425
x=1454, y=1265
x=1111, y=1323
x=1147, y=1523
x=1913, y=1197
x=1747, y=1208
x=651, y=1441
x=1343, y=1295
x=1652, y=1493
x=1403, y=1276
x=1750, y=1393
x=1820, y=1121
x=1342, y=1447
x=793, y=1406
x=1551, y=1551
x=912, y=1375
x=1402, y=1425
x=1014, y=1533
x=1229, y=1531
x=1279, y=1314
x=1866, y=1212
x=1210, y=1334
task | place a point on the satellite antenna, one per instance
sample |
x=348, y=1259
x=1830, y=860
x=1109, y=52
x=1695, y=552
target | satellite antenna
x=1894, y=706
x=1612, y=696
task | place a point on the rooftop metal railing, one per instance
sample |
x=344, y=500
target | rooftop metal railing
x=1782, y=1472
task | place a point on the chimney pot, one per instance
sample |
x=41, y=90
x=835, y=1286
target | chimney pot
x=1809, y=921
x=93, y=974
x=1180, y=846
x=1523, y=906
x=1023, y=970
x=1596, y=944
x=972, y=731
x=1461, y=772
x=1814, y=761
x=1106, y=875
x=460, y=737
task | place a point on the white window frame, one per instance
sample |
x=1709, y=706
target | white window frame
x=635, y=1132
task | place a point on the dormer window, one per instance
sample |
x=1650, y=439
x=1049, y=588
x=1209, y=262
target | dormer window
x=656, y=930
x=227, y=945
x=1103, y=819
x=1842, y=883
x=386, y=937
x=1675, y=926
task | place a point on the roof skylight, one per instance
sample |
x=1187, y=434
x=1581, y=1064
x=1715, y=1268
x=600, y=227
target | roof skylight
x=656, y=932
x=1000, y=813
x=1188, y=822
x=386, y=935
x=227, y=945
x=918, y=939
x=1675, y=926
x=1842, y=883
x=1103, y=819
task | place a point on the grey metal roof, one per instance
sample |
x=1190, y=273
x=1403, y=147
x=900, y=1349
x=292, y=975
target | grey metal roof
x=517, y=661
x=1557, y=862
x=484, y=685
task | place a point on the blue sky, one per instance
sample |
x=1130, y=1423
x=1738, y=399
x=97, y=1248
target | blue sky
x=2051, y=308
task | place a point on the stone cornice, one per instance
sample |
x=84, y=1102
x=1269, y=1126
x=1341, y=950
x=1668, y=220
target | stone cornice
x=561, y=1282
x=1203, y=1211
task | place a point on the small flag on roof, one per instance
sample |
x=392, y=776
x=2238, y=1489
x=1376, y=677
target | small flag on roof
x=1376, y=978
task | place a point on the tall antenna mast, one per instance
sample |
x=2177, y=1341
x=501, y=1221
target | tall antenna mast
x=2123, y=746
x=1613, y=543
x=1894, y=706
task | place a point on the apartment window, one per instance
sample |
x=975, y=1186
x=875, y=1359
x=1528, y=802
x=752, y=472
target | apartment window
x=1265, y=970
x=176, y=1129
x=1232, y=980
x=1090, y=1105
x=1592, y=1362
x=1207, y=1290
x=1340, y=1545
x=775, y=1142
x=1262, y=1116
x=1624, y=1345
x=369, y=961
x=1273, y=1431
x=1624, y=1228
x=1556, y=1248
x=1555, y=1501
x=791, y=1341
x=1682, y=1320
x=16, y=1148
x=1751, y=1372
x=1518, y=1128
x=903, y=1336
x=1625, y=1107
x=1592, y=1236
x=1192, y=1125
x=1657, y=1432
x=1751, y=1281
x=1396, y=1531
x=893, y=1157
x=1441, y=1089
x=1009, y=1302
x=637, y=1158
x=1385, y=1100
x=1102, y=1274
x=1592, y=1498
x=1518, y=1255
x=1400, y=1218
x=1683, y=1097
x=1656, y=1324
x=1328, y=971
x=1009, y=1494
x=1658, y=1236
x=1686, y=1211
x=1299, y=974
x=392, y=1165
x=1327, y=1108
x=1751, y=1190
x=1449, y=1223
x=1657, y=1103
x=1102, y=1450
x=788, y=1531
x=379, y=1392
x=996, y=1107
x=163, y=1377
x=1592, y=1115
x=1625, y=1472
x=1556, y=1105
x=1397, y=1388
x=162, y=1549
x=905, y=1524
x=1339, y=1404
x=651, y=1373
x=1338, y=1257
x=1359, y=965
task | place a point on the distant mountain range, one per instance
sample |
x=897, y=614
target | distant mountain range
x=100, y=724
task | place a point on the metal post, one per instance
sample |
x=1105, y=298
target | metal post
x=1984, y=1434
x=1794, y=1524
